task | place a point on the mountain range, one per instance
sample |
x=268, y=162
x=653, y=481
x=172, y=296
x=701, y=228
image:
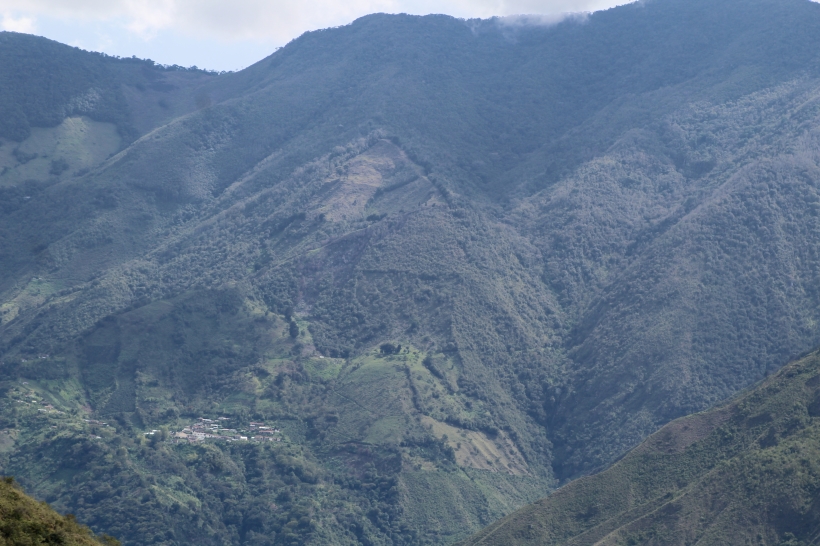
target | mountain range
x=456, y=264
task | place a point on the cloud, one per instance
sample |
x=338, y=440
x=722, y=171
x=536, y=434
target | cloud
x=525, y=20
x=260, y=20
x=268, y=21
x=17, y=24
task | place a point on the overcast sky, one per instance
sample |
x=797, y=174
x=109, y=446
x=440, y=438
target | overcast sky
x=229, y=34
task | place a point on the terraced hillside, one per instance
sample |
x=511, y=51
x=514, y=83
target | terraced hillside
x=743, y=473
x=453, y=282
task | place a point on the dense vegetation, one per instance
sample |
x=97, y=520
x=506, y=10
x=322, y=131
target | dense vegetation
x=454, y=281
x=44, y=82
x=26, y=522
x=744, y=473
x=357, y=439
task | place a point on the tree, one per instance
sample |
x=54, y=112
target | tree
x=389, y=349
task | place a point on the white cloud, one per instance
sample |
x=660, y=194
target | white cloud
x=232, y=34
x=269, y=21
x=17, y=24
x=529, y=20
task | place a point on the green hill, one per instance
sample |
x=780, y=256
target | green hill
x=575, y=234
x=46, y=81
x=743, y=473
x=24, y=522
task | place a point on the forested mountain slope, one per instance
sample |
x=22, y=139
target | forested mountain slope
x=576, y=233
x=24, y=522
x=743, y=473
x=44, y=82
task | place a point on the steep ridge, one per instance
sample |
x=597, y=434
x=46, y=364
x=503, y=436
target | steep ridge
x=24, y=521
x=46, y=81
x=693, y=279
x=576, y=233
x=743, y=473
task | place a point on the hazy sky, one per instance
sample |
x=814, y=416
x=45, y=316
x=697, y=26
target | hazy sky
x=229, y=34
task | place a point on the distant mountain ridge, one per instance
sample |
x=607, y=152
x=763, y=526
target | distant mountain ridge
x=576, y=233
x=46, y=81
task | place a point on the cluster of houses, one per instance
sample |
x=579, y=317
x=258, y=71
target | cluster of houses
x=217, y=429
x=48, y=408
x=24, y=360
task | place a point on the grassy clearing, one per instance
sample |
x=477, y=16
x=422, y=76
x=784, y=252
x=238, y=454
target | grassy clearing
x=324, y=369
x=33, y=294
x=475, y=449
x=77, y=145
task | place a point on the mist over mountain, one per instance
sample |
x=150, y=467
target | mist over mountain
x=453, y=263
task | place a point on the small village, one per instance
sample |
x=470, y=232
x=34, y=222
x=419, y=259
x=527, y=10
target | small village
x=34, y=399
x=219, y=430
